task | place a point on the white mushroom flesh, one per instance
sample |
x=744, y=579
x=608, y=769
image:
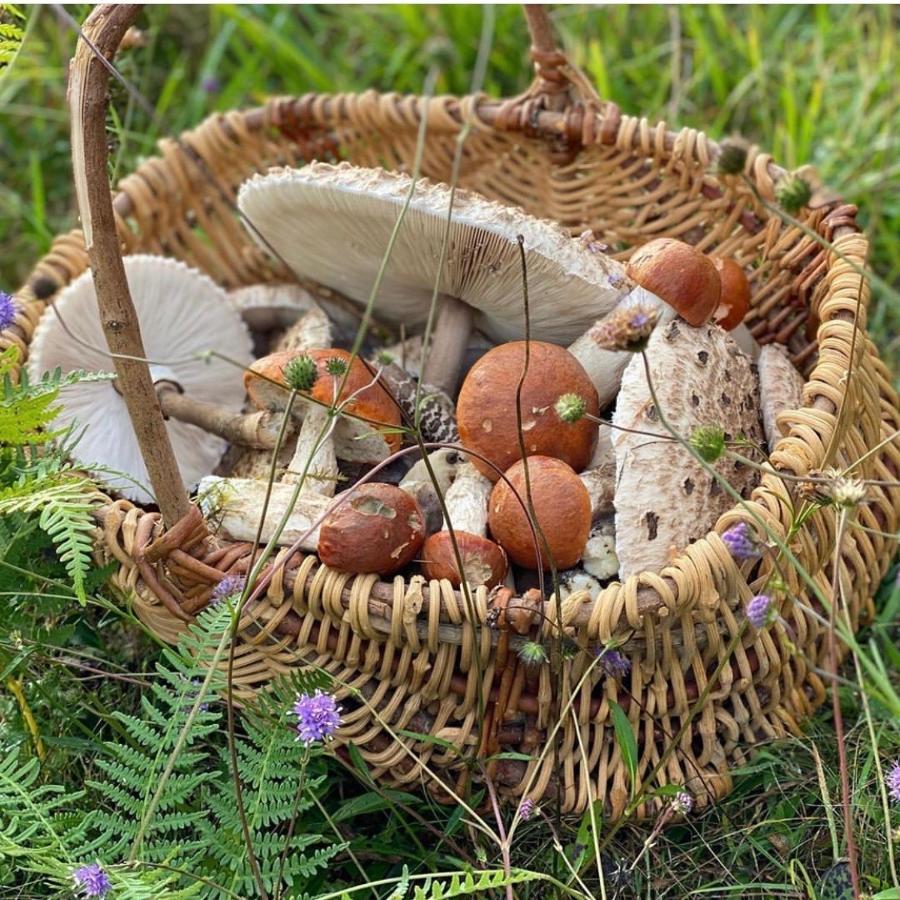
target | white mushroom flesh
x=467, y=500
x=664, y=498
x=780, y=389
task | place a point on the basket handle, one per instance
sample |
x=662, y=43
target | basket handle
x=88, y=79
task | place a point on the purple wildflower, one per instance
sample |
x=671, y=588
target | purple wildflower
x=740, y=543
x=683, y=803
x=8, y=310
x=92, y=881
x=228, y=587
x=892, y=780
x=527, y=809
x=211, y=84
x=615, y=664
x=759, y=609
x=319, y=717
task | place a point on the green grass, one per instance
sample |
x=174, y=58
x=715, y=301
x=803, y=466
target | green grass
x=809, y=84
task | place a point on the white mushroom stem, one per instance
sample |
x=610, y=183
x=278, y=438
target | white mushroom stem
x=600, y=482
x=740, y=334
x=310, y=332
x=780, y=389
x=258, y=430
x=236, y=506
x=447, y=347
x=418, y=484
x=408, y=354
x=467, y=501
x=314, y=453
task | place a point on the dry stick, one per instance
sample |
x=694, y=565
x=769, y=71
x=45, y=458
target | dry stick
x=501, y=832
x=836, y=705
x=88, y=81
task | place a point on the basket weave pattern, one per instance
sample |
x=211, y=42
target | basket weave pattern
x=408, y=647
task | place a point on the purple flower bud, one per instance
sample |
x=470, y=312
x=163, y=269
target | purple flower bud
x=91, y=881
x=614, y=664
x=211, y=84
x=892, y=779
x=8, y=310
x=740, y=543
x=683, y=803
x=228, y=587
x=759, y=610
x=319, y=717
x=527, y=809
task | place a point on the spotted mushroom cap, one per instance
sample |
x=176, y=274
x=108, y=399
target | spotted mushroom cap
x=486, y=407
x=332, y=224
x=380, y=528
x=664, y=498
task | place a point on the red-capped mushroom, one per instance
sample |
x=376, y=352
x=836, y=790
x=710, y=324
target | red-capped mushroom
x=562, y=508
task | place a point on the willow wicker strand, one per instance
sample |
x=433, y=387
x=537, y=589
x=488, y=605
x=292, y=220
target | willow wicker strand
x=407, y=647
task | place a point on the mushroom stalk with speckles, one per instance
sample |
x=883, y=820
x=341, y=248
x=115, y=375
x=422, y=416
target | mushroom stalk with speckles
x=780, y=390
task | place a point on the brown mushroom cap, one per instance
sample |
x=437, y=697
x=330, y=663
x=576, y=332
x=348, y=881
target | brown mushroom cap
x=379, y=529
x=735, y=301
x=486, y=407
x=483, y=561
x=371, y=401
x=680, y=275
x=561, y=505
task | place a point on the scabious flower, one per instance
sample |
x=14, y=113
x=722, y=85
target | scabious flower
x=228, y=587
x=211, y=84
x=709, y=442
x=319, y=717
x=615, y=664
x=740, y=542
x=527, y=809
x=627, y=328
x=91, y=881
x=8, y=310
x=570, y=407
x=893, y=782
x=848, y=492
x=732, y=157
x=300, y=373
x=793, y=192
x=759, y=610
x=683, y=803
x=532, y=653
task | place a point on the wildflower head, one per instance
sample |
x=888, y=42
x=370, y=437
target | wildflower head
x=228, y=587
x=319, y=717
x=732, y=157
x=760, y=610
x=91, y=881
x=300, y=373
x=570, y=407
x=527, y=809
x=532, y=653
x=336, y=366
x=848, y=493
x=8, y=310
x=615, y=664
x=626, y=328
x=709, y=442
x=683, y=803
x=211, y=84
x=793, y=193
x=740, y=542
x=892, y=779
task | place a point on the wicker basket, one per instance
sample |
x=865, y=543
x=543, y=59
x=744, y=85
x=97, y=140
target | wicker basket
x=408, y=647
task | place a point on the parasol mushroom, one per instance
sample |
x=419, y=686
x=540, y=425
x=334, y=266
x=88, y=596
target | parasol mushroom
x=333, y=224
x=182, y=315
x=561, y=506
x=483, y=561
x=379, y=529
x=487, y=413
x=664, y=498
x=780, y=389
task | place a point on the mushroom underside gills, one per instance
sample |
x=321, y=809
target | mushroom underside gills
x=664, y=498
x=267, y=306
x=236, y=506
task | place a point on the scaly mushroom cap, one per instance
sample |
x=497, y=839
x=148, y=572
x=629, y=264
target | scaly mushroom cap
x=664, y=498
x=332, y=224
x=483, y=561
x=680, y=275
x=780, y=389
x=561, y=505
x=380, y=528
x=486, y=407
x=735, y=300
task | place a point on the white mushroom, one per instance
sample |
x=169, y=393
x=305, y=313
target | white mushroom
x=417, y=482
x=664, y=499
x=267, y=306
x=780, y=389
x=182, y=315
x=600, y=559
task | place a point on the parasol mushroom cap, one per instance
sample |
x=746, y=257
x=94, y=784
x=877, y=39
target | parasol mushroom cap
x=680, y=275
x=562, y=508
x=332, y=224
x=486, y=407
x=664, y=498
x=380, y=528
x=182, y=313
